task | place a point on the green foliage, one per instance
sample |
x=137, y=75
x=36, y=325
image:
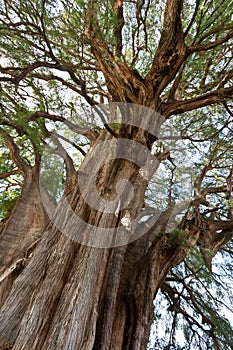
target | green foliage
x=10, y=187
x=205, y=300
x=8, y=199
x=52, y=175
x=177, y=237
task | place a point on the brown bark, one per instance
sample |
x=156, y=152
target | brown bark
x=86, y=298
x=72, y=296
x=19, y=232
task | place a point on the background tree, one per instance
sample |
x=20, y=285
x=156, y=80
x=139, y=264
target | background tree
x=173, y=57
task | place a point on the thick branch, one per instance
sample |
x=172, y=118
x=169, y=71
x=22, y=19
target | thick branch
x=8, y=173
x=178, y=107
x=216, y=225
x=118, y=7
x=123, y=83
x=220, y=189
x=171, y=49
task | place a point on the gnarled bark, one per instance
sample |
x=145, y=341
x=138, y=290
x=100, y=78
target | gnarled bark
x=73, y=296
x=21, y=230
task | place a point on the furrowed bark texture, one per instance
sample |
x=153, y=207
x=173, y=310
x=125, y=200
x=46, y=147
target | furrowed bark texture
x=24, y=226
x=72, y=296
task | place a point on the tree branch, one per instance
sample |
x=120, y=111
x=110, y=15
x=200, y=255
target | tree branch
x=171, y=50
x=178, y=107
x=70, y=142
x=9, y=173
x=118, y=7
x=14, y=152
x=70, y=169
x=213, y=44
x=124, y=83
x=90, y=134
x=193, y=17
x=214, y=31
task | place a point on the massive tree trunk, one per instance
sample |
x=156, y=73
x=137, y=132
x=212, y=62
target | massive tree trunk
x=89, y=283
x=21, y=230
x=81, y=296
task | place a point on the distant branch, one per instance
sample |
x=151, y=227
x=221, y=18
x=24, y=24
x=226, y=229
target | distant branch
x=193, y=17
x=60, y=150
x=90, y=134
x=214, y=31
x=70, y=142
x=212, y=44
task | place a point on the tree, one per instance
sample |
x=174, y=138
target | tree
x=172, y=62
